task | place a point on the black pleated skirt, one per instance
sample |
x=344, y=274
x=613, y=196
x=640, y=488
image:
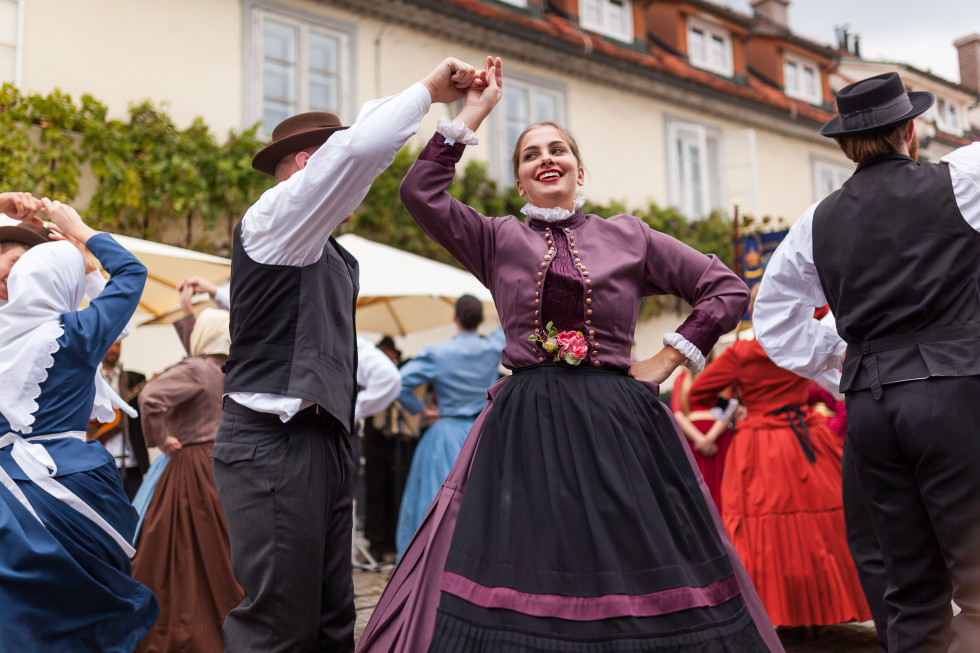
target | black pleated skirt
x=583, y=528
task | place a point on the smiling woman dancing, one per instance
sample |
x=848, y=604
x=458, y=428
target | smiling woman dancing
x=584, y=525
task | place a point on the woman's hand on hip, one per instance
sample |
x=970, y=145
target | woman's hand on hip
x=658, y=367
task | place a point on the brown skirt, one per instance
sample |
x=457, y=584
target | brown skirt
x=183, y=555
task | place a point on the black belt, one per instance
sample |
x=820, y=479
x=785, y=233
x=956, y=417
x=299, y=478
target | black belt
x=797, y=422
x=867, y=349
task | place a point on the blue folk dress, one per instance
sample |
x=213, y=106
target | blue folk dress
x=461, y=370
x=65, y=577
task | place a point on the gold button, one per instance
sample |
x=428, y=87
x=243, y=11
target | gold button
x=591, y=332
x=589, y=312
x=578, y=260
x=547, y=257
x=588, y=322
x=588, y=282
x=535, y=312
x=591, y=337
x=536, y=293
x=540, y=360
x=588, y=301
x=540, y=274
x=596, y=363
x=597, y=345
x=567, y=230
x=544, y=265
x=575, y=252
x=537, y=301
x=588, y=292
x=585, y=272
x=539, y=283
x=537, y=323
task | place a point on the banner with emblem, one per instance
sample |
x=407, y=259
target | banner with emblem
x=752, y=253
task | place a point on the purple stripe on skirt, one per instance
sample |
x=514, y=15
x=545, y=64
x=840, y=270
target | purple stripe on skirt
x=591, y=608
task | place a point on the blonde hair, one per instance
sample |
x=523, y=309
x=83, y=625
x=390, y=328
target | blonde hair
x=864, y=147
x=565, y=134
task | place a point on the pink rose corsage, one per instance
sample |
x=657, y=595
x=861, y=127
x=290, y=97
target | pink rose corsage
x=567, y=346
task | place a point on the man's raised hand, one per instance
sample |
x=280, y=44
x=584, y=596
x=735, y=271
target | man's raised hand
x=450, y=80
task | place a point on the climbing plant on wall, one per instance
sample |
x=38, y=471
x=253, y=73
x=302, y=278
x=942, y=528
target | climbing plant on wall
x=152, y=179
x=187, y=187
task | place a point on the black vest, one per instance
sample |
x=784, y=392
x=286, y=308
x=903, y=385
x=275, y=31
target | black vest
x=900, y=268
x=292, y=329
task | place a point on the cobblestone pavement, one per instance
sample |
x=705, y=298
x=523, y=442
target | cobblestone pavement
x=846, y=638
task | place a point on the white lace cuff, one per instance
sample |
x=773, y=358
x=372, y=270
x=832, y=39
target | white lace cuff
x=695, y=359
x=455, y=131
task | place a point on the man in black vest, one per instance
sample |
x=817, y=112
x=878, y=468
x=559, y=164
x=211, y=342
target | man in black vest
x=282, y=456
x=896, y=254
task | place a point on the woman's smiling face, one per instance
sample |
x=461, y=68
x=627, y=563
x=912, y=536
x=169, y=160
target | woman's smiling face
x=548, y=170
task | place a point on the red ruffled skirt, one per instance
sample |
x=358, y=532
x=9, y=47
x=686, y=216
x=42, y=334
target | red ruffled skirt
x=785, y=517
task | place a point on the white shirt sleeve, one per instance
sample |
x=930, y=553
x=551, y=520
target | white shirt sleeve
x=378, y=377
x=782, y=318
x=964, y=171
x=222, y=299
x=291, y=222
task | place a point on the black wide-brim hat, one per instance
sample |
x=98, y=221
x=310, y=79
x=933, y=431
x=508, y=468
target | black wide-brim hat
x=27, y=234
x=296, y=133
x=875, y=103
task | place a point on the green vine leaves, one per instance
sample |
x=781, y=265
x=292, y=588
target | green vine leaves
x=148, y=178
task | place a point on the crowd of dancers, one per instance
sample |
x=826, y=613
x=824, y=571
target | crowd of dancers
x=562, y=507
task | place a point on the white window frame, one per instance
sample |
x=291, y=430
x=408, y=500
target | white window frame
x=798, y=89
x=701, y=57
x=942, y=111
x=695, y=203
x=17, y=46
x=605, y=11
x=501, y=150
x=257, y=13
x=516, y=3
x=825, y=170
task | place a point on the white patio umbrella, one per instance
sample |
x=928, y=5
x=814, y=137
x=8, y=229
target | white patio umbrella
x=166, y=266
x=402, y=292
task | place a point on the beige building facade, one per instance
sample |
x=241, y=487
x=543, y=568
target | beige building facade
x=647, y=135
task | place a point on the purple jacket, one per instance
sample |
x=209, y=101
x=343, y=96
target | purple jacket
x=625, y=260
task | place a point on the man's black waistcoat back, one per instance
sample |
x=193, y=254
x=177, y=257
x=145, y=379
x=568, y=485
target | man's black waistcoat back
x=897, y=261
x=292, y=329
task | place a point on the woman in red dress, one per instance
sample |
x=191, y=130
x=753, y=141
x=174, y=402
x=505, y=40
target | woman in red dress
x=781, y=493
x=708, y=437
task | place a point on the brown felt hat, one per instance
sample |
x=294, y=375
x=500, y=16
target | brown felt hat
x=293, y=134
x=25, y=233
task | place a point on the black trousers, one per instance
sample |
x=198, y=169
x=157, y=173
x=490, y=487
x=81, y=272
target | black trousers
x=917, y=452
x=286, y=493
x=862, y=540
x=386, y=462
x=132, y=478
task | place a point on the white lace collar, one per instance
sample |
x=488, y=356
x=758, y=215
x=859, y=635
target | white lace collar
x=555, y=214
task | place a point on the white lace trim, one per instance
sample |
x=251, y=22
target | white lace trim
x=695, y=359
x=555, y=214
x=20, y=404
x=456, y=131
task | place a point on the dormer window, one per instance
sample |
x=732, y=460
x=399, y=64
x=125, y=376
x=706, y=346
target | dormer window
x=709, y=47
x=948, y=117
x=801, y=79
x=612, y=18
